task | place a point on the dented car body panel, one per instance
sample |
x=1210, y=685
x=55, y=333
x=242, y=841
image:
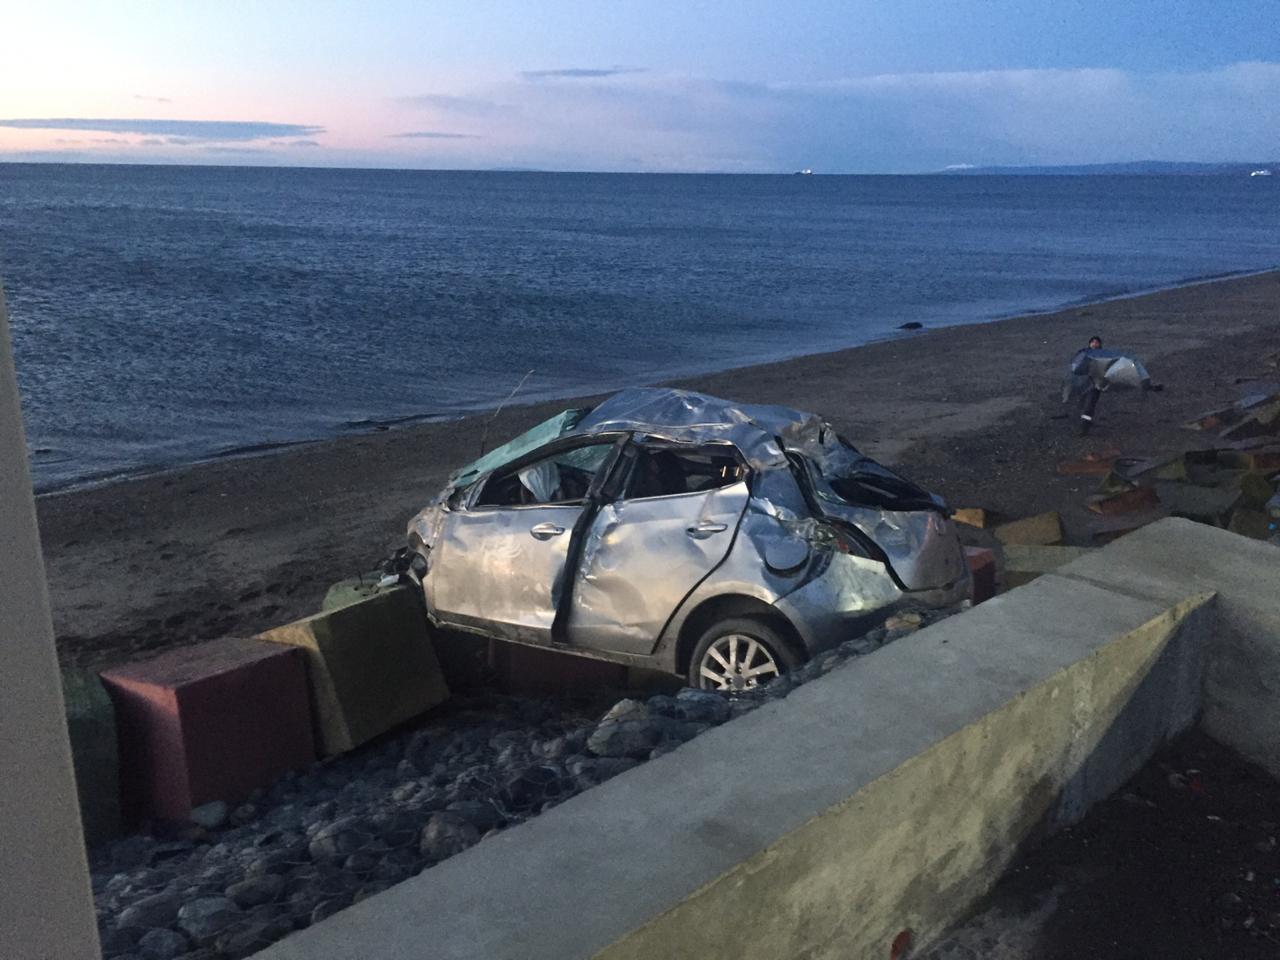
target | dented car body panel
x=612, y=532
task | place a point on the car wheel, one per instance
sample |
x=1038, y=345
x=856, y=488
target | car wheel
x=740, y=654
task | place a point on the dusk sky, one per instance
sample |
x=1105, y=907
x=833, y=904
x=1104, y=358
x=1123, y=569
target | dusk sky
x=866, y=86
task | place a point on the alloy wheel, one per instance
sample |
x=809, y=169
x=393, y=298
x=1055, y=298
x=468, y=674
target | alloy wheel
x=737, y=662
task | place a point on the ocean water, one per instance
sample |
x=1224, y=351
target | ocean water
x=163, y=315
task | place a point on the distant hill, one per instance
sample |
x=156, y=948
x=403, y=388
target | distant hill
x=1145, y=168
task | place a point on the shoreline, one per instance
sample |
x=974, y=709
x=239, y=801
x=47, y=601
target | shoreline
x=372, y=426
x=235, y=546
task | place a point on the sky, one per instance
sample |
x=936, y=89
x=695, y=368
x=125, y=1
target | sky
x=862, y=86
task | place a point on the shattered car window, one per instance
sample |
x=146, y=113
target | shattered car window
x=563, y=477
x=514, y=449
x=669, y=471
x=847, y=476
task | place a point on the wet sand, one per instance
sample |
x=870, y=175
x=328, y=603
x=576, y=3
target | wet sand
x=232, y=547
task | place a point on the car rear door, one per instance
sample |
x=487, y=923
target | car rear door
x=647, y=549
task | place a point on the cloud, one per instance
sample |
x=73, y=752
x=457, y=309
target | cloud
x=459, y=106
x=194, y=130
x=580, y=73
x=905, y=122
x=434, y=135
x=295, y=143
x=142, y=96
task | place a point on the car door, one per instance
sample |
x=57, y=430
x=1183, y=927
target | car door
x=671, y=526
x=498, y=564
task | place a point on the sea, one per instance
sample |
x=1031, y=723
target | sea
x=168, y=315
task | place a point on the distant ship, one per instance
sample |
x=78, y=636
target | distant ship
x=1260, y=173
x=806, y=172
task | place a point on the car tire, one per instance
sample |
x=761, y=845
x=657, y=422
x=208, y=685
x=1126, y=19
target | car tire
x=738, y=654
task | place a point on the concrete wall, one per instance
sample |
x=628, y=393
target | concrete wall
x=46, y=911
x=1175, y=558
x=884, y=797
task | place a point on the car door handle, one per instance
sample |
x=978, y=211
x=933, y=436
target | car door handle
x=545, y=531
x=704, y=530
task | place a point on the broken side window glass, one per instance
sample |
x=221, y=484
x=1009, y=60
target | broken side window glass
x=563, y=477
x=663, y=471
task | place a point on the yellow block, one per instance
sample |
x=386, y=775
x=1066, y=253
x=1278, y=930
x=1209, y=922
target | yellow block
x=972, y=516
x=371, y=666
x=1044, y=529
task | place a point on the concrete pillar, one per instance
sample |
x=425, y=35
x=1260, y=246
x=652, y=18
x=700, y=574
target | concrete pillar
x=46, y=908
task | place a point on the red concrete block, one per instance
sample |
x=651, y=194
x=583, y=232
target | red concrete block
x=982, y=566
x=209, y=722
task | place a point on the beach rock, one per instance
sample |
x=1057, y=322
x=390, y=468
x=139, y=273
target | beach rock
x=446, y=834
x=702, y=706
x=532, y=787
x=206, y=917
x=635, y=738
x=117, y=940
x=257, y=890
x=158, y=910
x=162, y=944
x=338, y=840
x=483, y=814
x=626, y=710
x=210, y=816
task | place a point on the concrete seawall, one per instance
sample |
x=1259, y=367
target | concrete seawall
x=874, y=805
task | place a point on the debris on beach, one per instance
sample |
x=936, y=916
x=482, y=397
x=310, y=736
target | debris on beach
x=1044, y=529
x=1228, y=487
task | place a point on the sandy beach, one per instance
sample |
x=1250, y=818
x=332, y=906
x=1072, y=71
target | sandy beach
x=232, y=547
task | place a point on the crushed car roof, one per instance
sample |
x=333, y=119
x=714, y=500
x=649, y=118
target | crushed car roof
x=763, y=433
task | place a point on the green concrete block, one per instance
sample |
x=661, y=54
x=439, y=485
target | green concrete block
x=1255, y=524
x=351, y=591
x=371, y=666
x=1211, y=505
x=1023, y=563
x=1255, y=490
x=91, y=723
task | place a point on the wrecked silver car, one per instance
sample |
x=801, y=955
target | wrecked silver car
x=665, y=529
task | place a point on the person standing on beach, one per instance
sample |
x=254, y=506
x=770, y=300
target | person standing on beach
x=1089, y=401
x=1093, y=370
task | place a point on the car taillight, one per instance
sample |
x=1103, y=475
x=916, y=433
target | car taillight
x=845, y=539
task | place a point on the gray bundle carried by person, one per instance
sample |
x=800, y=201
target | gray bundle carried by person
x=1094, y=370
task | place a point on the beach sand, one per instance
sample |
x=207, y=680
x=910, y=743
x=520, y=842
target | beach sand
x=232, y=547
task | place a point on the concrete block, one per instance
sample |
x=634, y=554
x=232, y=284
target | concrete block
x=1107, y=530
x=350, y=591
x=371, y=666
x=1022, y=564
x=1210, y=505
x=208, y=722
x=1132, y=500
x=1255, y=489
x=1155, y=468
x=982, y=570
x=973, y=517
x=1251, y=523
x=529, y=670
x=1175, y=557
x=1090, y=466
x=91, y=722
x=1044, y=529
